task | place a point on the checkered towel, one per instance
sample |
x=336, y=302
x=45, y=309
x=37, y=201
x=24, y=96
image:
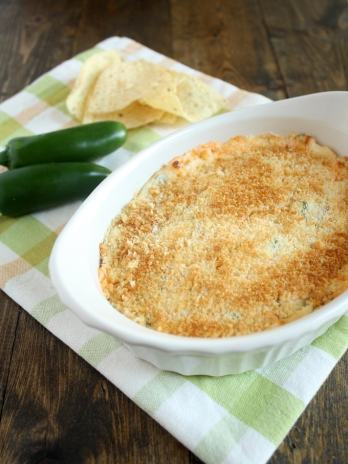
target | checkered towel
x=233, y=419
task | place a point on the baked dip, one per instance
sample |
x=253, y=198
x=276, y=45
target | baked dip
x=232, y=238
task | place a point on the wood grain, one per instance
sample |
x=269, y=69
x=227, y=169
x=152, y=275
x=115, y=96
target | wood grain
x=310, y=40
x=55, y=407
x=9, y=315
x=35, y=36
x=227, y=40
x=145, y=21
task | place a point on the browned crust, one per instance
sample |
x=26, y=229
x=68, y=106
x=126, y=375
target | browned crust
x=232, y=238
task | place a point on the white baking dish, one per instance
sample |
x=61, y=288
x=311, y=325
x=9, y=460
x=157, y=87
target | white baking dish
x=75, y=257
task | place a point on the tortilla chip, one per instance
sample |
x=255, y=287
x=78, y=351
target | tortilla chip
x=134, y=115
x=119, y=86
x=139, y=92
x=198, y=100
x=85, y=81
x=168, y=118
x=185, y=97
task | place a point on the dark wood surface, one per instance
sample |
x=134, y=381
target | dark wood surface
x=53, y=406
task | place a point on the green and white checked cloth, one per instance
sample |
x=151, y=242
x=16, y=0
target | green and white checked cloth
x=235, y=419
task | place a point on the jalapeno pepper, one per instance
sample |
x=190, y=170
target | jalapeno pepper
x=33, y=188
x=81, y=143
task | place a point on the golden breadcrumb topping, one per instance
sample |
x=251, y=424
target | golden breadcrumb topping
x=232, y=238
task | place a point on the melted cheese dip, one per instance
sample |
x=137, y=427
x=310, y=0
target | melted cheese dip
x=232, y=238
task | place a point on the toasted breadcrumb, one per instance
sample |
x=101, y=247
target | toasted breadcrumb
x=232, y=238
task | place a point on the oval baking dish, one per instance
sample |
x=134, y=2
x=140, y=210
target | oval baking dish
x=75, y=257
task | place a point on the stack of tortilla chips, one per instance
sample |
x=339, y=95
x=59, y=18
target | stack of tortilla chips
x=138, y=93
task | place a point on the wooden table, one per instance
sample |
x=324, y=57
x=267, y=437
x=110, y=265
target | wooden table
x=53, y=406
